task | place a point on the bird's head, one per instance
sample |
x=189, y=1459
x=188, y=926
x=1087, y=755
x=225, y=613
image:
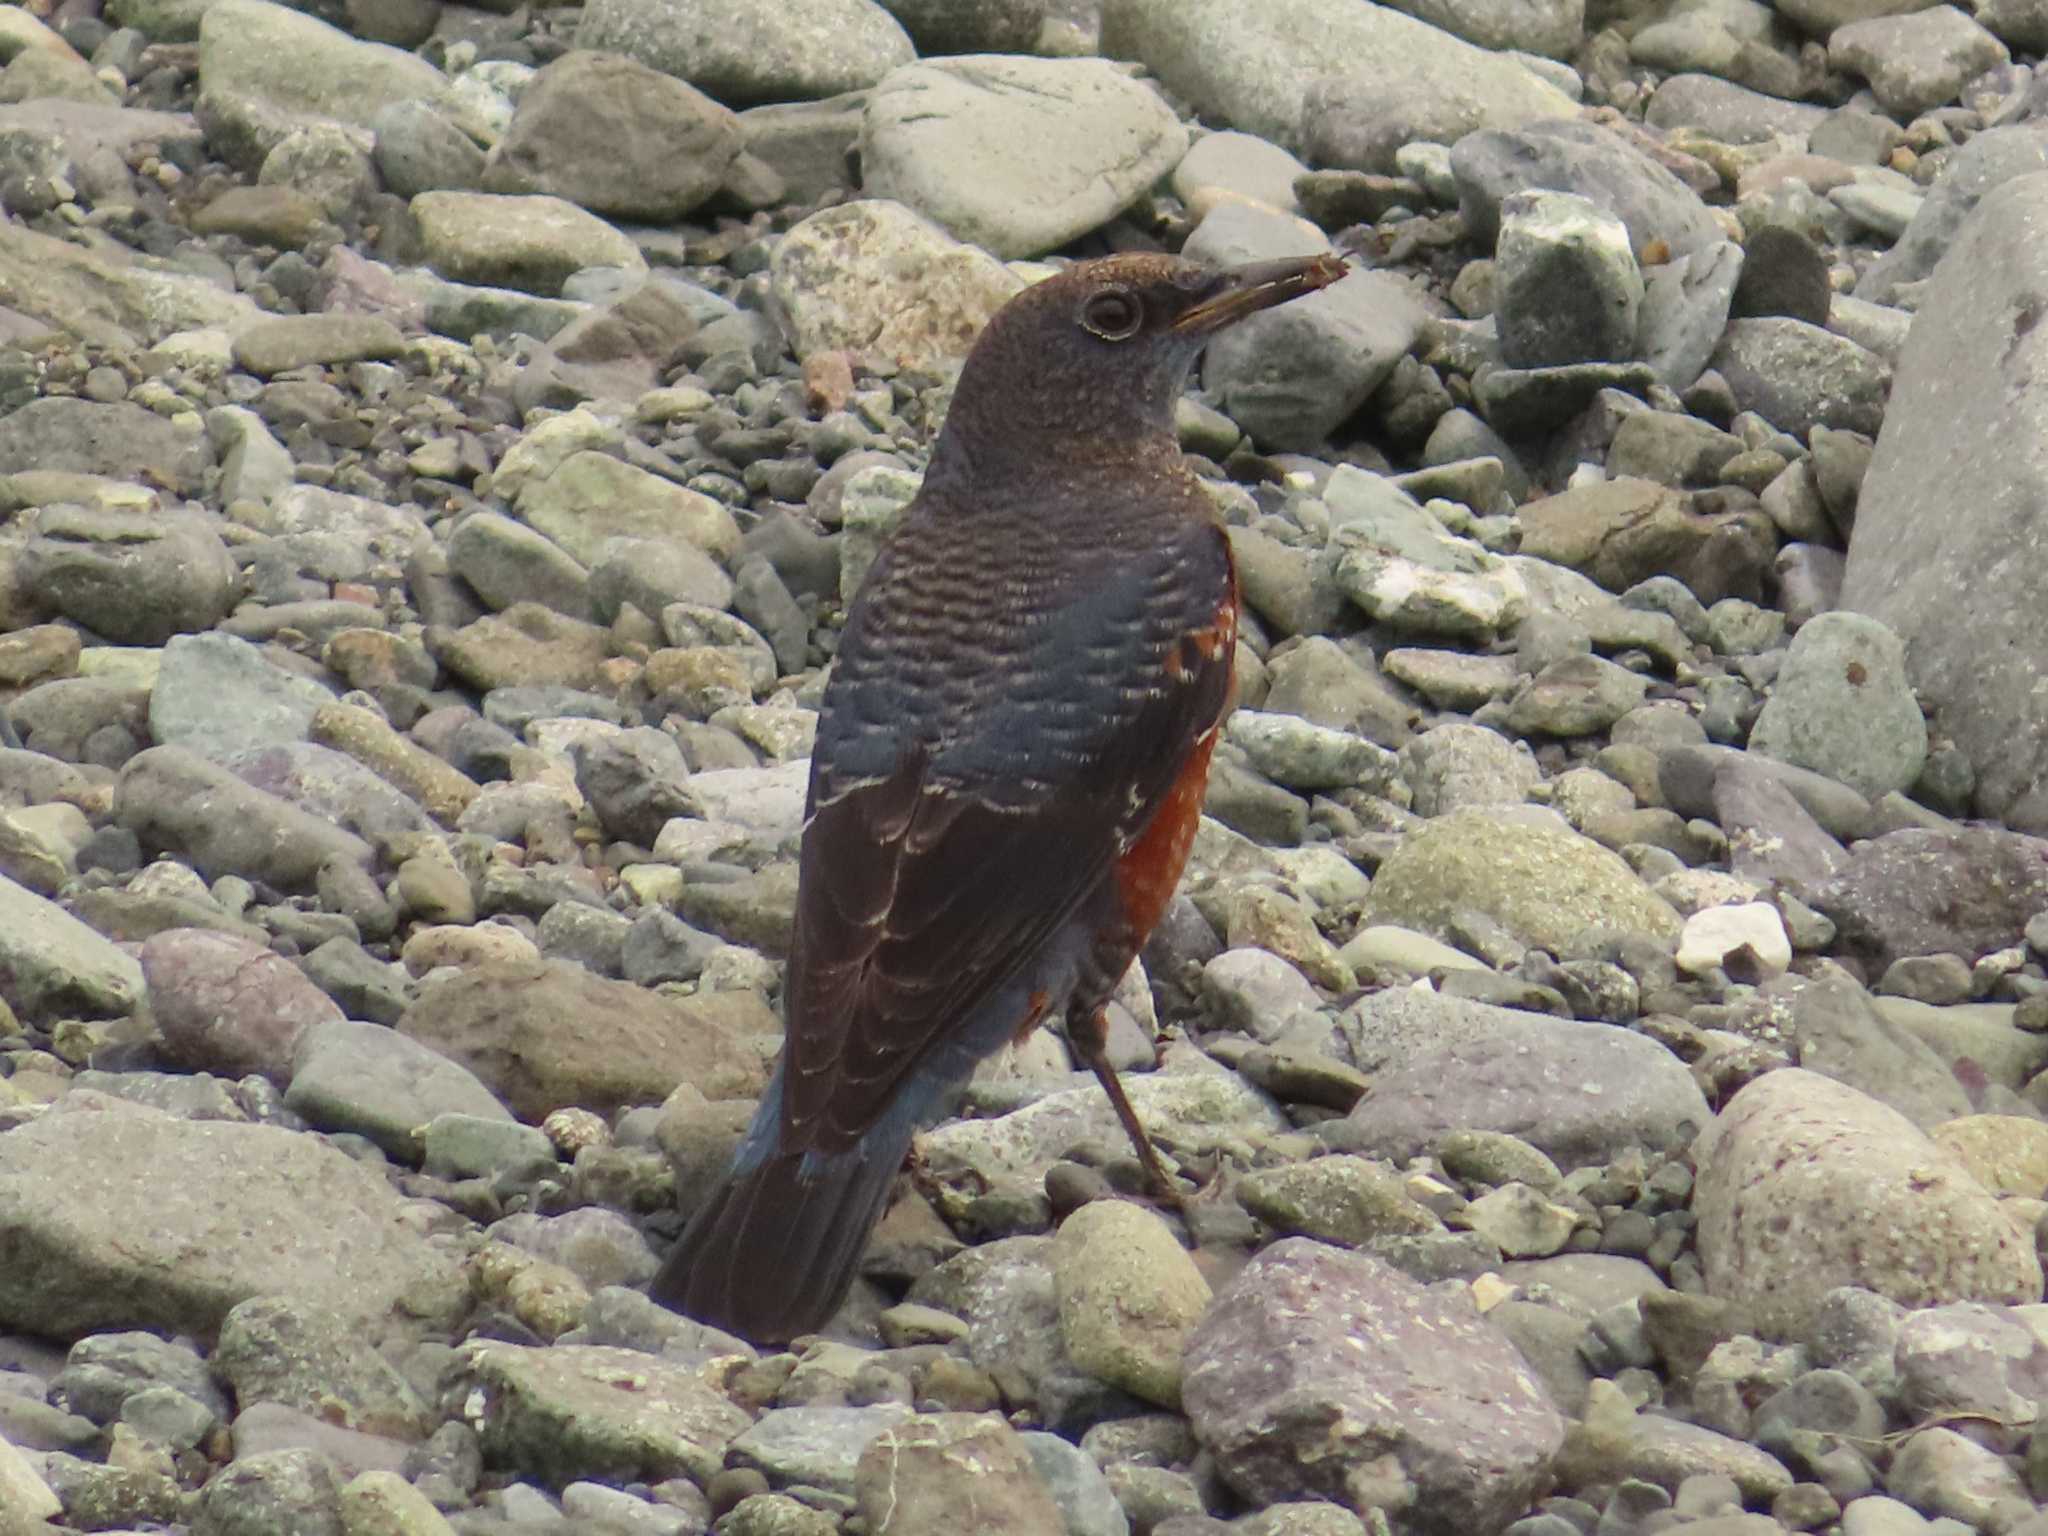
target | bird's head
x=1102, y=349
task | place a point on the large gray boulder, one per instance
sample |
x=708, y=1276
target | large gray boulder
x=1018, y=155
x=1289, y=69
x=1951, y=544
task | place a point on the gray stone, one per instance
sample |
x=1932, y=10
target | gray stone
x=264, y=69
x=743, y=53
x=1784, y=274
x=119, y=439
x=1308, y=1379
x=1973, y=1359
x=52, y=965
x=1292, y=374
x=592, y=1411
x=366, y=988
x=815, y=1447
x=104, y=1370
x=1077, y=1485
x=2021, y=25
x=421, y=150
x=1627, y=530
x=1525, y=868
x=1988, y=161
x=533, y=243
x=807, y=143
x=1575, y=696
x=1687, y=773
x=653, y=573
x=880, y=280
x=1805, y=1185
x=970, y=26
x=1597, y=164
x=598, y=1246
x=1017, y=155
x=506, y=562
x=1721, y=109
x=1450, y=767
x=1237, y=167
x=1836, y=1031
x=254, y=466
x=1684, y=309
x=1349, y=1201
x=909, y=1477
x=335, y=789
x=1284, y=70
x=126, y=1217
x=373, y=530
x=1200, y=1105
x=1821, y=17
x=216, y=696
x=1405, y=568
x=1915, y=62
x=174, y=800
x=1566, y=287
x=545, y=1035
x=229, y=1005
x=106, y=298
x=372, y=1081
x=592, y=498
x=1842, y=706
x=286, y=342
x=620, y=349
x=279, y=1349
x=1128, y=1296
x=1302, y=755
x=1798, y=376
x=1921, y=891
x=296, y=1488
x=1584, y=1094
x=1977, y=665
x=1672, y=449
x=1614, y=1441
x=1551, y=28
x=614, y=136
x=1949, y=1475
x=1772, y=838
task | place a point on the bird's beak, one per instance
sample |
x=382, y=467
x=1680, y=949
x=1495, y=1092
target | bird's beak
x=1245, y=290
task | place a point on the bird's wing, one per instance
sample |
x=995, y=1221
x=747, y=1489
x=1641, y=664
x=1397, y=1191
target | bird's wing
x=932, y=873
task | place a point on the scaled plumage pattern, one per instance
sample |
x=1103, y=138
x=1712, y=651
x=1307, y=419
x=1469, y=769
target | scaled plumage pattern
x=1010, y=762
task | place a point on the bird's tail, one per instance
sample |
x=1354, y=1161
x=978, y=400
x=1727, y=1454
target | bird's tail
x=772, y=1253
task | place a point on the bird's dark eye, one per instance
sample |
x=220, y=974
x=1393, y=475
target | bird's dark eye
x=1112, y=314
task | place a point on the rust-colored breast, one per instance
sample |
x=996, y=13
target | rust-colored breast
x=1148, y=872
x=1150, y=869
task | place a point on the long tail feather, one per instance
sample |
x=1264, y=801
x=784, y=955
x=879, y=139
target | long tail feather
x=773, y=1252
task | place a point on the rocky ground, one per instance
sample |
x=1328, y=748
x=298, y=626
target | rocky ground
x=1606, y=1011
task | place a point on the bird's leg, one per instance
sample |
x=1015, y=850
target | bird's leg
x=1088, y=1034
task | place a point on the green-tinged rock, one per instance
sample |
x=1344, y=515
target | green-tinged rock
x=1526, y=869
x=571, y=1412
x=122, y=1217
x=1128, y=1294
x=1339, y=1199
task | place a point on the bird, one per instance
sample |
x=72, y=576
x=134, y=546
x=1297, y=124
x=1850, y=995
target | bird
x=1011, y=754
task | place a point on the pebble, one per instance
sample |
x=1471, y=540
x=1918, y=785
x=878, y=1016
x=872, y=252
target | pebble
x=944, y=137
x=1923, y=1230
x=1713, y=936
x=736, y=52
x=95, y=1189
x=1510, y=865
x=1304, y=1323
x=1581, y=1093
